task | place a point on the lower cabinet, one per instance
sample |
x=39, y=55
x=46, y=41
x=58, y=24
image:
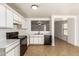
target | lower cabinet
x=37, y=39
x=41, y=40
x=31, y=40
x=17, y=51
x=13, y=50
x=11, y=53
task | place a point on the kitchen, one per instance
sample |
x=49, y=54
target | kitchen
x=39, y=29
x=17, y=34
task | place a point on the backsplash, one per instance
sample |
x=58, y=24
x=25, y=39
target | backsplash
x=3, y=33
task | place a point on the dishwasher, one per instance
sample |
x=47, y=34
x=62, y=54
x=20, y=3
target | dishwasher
x=47, y=39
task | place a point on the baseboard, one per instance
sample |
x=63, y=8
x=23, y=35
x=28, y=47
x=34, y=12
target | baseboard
x=61, y=39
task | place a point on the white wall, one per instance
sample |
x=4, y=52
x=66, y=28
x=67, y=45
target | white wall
x=71, y=31
x=58, y=29
x=3, y=33
x=77, y=31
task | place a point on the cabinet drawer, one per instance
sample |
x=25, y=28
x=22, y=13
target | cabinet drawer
x=11, y=53
x=12, y=46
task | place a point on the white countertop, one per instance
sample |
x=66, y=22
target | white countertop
x=37, y=36
x=8, y=42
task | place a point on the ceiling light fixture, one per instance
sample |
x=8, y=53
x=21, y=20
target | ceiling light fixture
x=34, y=7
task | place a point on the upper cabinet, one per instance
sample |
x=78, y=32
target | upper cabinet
x=17, y=19
x=6, y=17
x=2, y=16
x=9, y=18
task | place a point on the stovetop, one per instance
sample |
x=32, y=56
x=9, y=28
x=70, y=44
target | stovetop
x=22, y=36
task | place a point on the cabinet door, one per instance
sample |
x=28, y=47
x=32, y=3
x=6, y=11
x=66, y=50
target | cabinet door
x=2, y=16
x=36, y=40
x=11, y=53
x=9, y=19
x=17, y=50
x=15, y=17
x=41, y=40
x=31, y=41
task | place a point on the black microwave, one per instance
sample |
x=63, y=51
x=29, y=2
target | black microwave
x=12, y=35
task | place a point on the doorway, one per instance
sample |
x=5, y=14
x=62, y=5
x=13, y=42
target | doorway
x=61, y=31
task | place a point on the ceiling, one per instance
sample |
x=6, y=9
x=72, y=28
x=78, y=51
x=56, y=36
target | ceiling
x=46, y=9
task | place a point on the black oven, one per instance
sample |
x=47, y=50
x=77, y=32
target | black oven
x=23, y=44
x=23, y=40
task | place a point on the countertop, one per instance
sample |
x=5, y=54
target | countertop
x=37, y=36
x=8, y=42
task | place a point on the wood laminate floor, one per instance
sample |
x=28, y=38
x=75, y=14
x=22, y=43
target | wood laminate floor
x=61, y=49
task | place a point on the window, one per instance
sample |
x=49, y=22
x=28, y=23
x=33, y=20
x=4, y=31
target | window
x=65, y=25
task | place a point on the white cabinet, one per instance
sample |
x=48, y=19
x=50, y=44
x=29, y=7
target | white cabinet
x=9, y=19
x=2, y=16
x=11, y=53
x=17, y=51
x=6, y=17
x=37, y=39
x=28, y=40
x=41, y=40
x=31, y=40
x=17, y=19
x=13, y=50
